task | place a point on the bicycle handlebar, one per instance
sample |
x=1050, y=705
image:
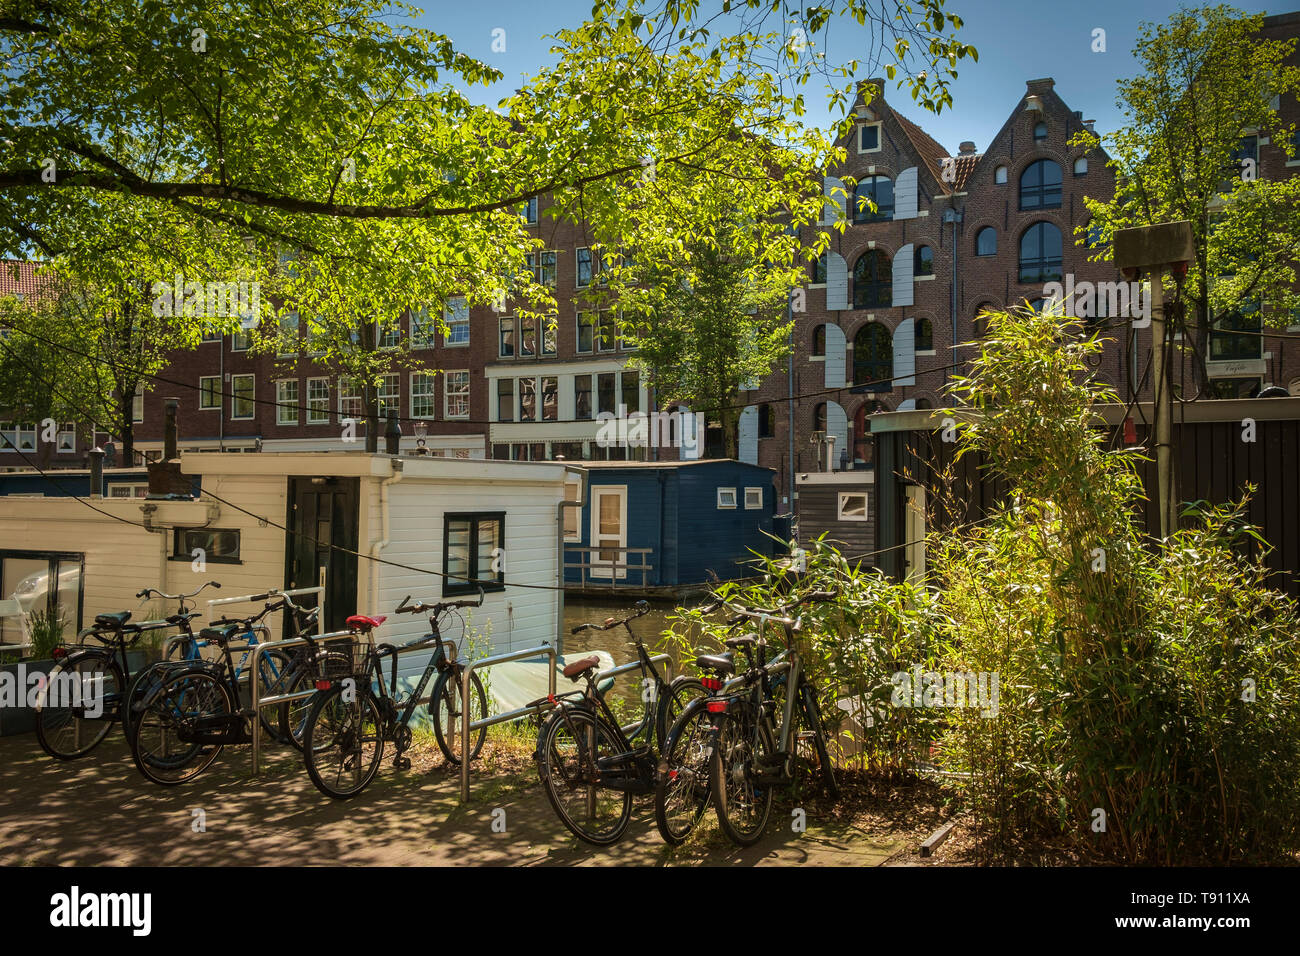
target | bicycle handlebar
x=641, y=607
x=419, y=607
x=149, y=592
x=775, y=614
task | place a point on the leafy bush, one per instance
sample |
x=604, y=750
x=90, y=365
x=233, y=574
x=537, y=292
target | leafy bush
x=46, y=628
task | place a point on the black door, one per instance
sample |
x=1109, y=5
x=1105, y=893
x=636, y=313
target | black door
x=322, y=539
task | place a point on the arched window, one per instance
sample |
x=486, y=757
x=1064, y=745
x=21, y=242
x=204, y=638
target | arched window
x=1040, y=132
x=924, y=403
x=873, y=281
x=980, y=324
x=924, y=265
x=873, y=357
x=819, y=418
x=924, y=335
x=818, y=267
x=1000, y=175
x=1040, y=185
x=766, y=421
x=1081, y=166
x=880, y=190
x=986, y=242
x=819, y=340
x=1040, y=253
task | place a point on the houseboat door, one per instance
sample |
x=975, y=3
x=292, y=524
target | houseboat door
x=608, y=531
x=323, y=512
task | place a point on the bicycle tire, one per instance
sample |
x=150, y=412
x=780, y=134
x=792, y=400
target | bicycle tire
x=185, y=701
x=568, y=769
x=681, y=691
x=60, y=732
x=813, y=716
x=743, y=805
x=443, y=708
x=683, y=790
x=344, y=729
x=293, y=714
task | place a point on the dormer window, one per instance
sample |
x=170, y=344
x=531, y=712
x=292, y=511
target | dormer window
x=869, y=138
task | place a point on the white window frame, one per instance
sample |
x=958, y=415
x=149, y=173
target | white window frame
x=843, y=498
x=1003, y=172
x=422, y=336
x=727, y=499
x=385, y=331
x=597, y=492
x=137, y=404
x=455, y=391
x=390, y=394
x=353, y=393
x=312, y=412
x=880, y=137
x=204, y=392
x=750, y=504
x=1084, y=170
x=234, y=399
x=285, y=406
x=452, y=325
x=430, y=395
x=246, y=335
x=68, y=430
x=573, y=492
x=134, y=489
x=538, y=268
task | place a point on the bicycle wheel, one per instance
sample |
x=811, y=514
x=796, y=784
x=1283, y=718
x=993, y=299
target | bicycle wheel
x=813, y=720
x=682, y=790
x=293, y=714
x=446, y=711
x=343, y=741
x=86, y=683
x=571, y=742
x=179, y=732
x=743, y=804
x=680, y=692
x=274, y=672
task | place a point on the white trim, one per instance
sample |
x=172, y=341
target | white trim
x=234, y=399
x=722, y=506
x=756, y=490
x=595, y=493
x=880, y=137
x=281, y=410
x=843, y=498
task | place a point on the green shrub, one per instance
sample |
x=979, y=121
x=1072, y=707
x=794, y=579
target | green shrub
x=46, y=628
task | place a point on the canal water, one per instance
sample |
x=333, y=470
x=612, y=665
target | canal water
x=616, y=643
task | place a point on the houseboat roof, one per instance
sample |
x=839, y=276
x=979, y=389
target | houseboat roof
x=597, y=465
x=362, y=464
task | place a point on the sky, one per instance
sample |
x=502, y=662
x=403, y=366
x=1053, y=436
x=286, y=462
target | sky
x=1017, y=40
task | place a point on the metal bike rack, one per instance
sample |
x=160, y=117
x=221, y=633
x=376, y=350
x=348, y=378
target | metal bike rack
x=467, y=725
x=257, y=702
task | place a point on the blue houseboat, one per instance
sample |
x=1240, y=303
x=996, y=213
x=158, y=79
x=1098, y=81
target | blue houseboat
x=666, y=526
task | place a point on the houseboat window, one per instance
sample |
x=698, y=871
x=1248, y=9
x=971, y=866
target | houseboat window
x=753, y=498
x=573, y=516
x=216, y=546
x=472, y=550
x=33, y=582
x=726, y=497
x=853, y=506
x=128, y=489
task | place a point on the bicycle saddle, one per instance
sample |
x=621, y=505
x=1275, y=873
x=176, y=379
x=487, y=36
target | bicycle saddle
x=722, y=663
x=364, y=624
x=112, y=620
x=578, y=668
x=218, y=634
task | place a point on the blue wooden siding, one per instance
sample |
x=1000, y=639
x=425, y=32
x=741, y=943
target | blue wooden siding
x=673, y=510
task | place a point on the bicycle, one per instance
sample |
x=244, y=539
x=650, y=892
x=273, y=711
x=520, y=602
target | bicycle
x=100, y=675
x=683, y=793
x=343, y=743
x=749, y=754
x=192, y=709
x=591, y=766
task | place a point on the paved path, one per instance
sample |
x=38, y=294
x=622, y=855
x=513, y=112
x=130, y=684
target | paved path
x=100, y=811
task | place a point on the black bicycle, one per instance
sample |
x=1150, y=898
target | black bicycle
x=191, y=709
x=758, y=720
x=85, y=690
x=350, y=721
x=590, y=765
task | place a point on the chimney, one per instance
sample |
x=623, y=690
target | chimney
x=393, y=434
x=165, y=478
x=97, y=472
x=169, y=428
x=967, y=148
x=1088, y=125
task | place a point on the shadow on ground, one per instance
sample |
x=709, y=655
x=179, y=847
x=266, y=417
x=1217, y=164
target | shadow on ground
x=99, y=811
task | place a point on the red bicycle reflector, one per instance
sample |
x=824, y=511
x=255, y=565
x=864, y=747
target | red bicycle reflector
x=717, y=706
x=60, y=653
x=711, y=683
x=323, y=685
x=1130, y=431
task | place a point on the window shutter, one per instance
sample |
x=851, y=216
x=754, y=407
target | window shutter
x=747, y=446
x=835, y=205
x=837, y=282
x=903, y=264
x=905, y=353
x=905, y=193
x=836, y=364
x=837, y=424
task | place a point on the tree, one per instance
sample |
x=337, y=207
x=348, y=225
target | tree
x=707, y=323
x=1208, y=79
x=322, y=127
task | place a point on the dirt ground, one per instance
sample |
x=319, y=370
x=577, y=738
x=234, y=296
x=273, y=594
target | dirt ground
x=100, y=811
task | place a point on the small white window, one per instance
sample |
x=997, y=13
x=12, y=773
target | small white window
x=242, y=389
x=210, y=391
x=351, y=401
x=456, y=394
x=318, y=401
x=286, y=401
x=67, y=438
x=753, y=498
x=573, y=516
x=422, y=395
x=869, y=138
x=853, y=506
x=122, y=489
x=1000, y=175
x=726, y=497
x=1081, y=166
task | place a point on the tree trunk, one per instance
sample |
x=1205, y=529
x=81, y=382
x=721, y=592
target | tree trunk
x=126, y=409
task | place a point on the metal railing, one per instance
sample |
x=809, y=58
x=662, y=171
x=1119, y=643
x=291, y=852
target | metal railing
x=614, y=573
x=467, y=725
